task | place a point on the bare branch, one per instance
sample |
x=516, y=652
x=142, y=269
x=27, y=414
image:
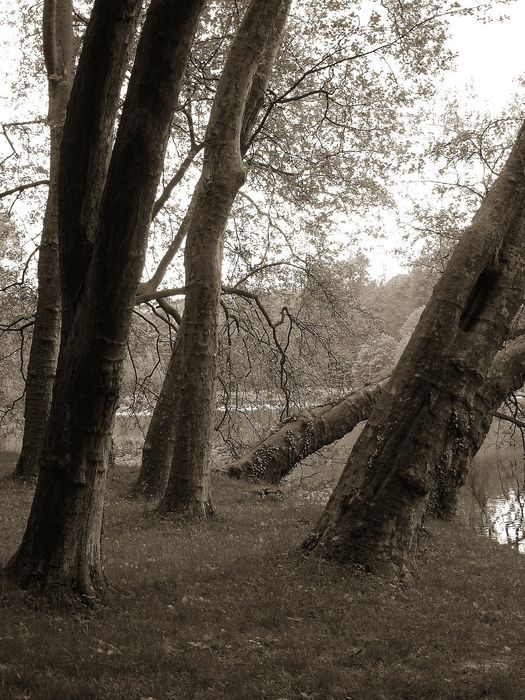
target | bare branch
x=172, y=250
x=261, y=268
x=188, y=160
x=25, y=321
x=509, y=419
x=21, y=282
x=21, y=188
x=160, y=294
x=170, y=310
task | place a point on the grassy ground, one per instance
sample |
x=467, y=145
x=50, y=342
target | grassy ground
x=228, y=610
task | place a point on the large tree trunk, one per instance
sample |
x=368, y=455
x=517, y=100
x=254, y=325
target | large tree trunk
x=299, y=436
x=60, y=550
x=374, y=515
x=187, y=423
x=295, y=439
x=57, y=36
x=506, y=374
x=276, y=455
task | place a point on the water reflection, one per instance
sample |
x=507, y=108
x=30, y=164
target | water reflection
x=505, y=519
x=493, y=501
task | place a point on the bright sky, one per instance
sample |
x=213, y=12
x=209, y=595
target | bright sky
x=490, y=56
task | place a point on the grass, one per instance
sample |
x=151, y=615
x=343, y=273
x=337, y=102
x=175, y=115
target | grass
x=229, y=610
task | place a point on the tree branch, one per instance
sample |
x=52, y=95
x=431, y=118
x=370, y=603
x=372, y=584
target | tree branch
x=21, y=188
x=509, y=419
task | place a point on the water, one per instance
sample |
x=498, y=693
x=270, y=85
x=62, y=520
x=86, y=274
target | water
x=505, y=519
x=493, y=498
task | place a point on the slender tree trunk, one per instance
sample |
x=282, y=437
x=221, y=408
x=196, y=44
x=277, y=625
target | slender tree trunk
x=57, y=33
x=375, y=513
x=296, y=438
x=60, y=550
x=188, y=490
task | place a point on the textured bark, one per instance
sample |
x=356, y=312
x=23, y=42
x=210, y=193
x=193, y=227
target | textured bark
x=275, y=456
x=57, y=32
x=179, y=435
x=61, y=545
x=89, y=134
x=374, y=515
x=292, y=441
x=506, y=374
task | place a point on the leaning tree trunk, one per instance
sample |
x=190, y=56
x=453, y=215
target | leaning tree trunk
x=299, y=436
x=60, y=550
x=374, y=515
x=57, y=36
x=506, y=374
x=188, y=490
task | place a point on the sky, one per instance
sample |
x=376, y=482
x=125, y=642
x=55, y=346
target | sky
x=490, y=58
x=8, y=64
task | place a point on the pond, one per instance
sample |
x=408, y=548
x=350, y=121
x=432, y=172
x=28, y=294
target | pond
x=506, y=519
x=493, y=498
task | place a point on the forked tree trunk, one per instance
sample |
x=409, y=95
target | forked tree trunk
x=60, y=550
x=240, y=93
x=57, y=36
x=374, y=515
x=292, y=441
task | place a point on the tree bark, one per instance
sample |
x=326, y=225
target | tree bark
x=57, y=36
x=374, y=515
x=157, y=451
x=506, y=374
x=179, y=435
x=61, y=550
x=296, y=438
x=89, y=134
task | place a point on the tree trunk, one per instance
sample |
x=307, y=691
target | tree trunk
x=240, y=93
x=57, y=35
x=506, y=374
x=299, y=436
x=374, y=515
x=157, y=452
x=292, y=441
x=60, y=550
